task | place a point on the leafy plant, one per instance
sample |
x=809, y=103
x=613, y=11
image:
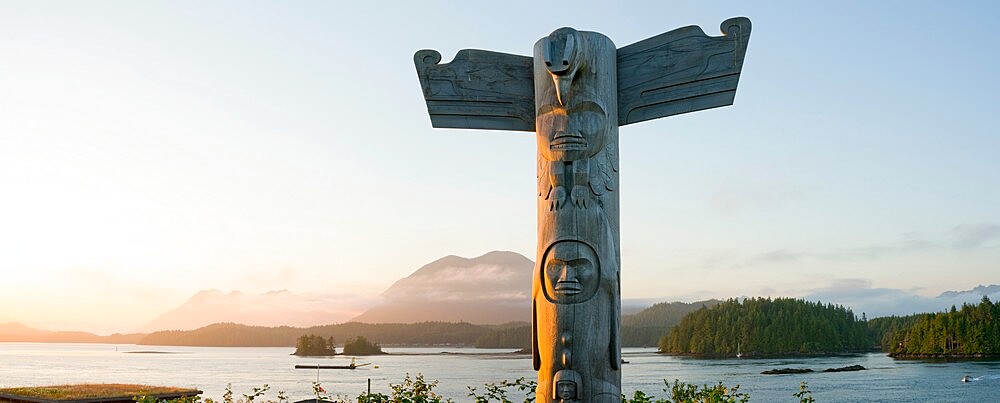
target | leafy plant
x=804, y=394
x=498, y=391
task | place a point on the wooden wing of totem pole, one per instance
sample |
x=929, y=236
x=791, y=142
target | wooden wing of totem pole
x=574, y=93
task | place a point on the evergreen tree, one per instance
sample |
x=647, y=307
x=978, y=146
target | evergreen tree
x=762, y=326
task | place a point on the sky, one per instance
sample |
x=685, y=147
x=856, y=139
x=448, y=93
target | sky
x=149, y=150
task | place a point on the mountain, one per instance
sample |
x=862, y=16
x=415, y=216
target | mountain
x=874, y=302
x=493, y=288
x=16, y=332
x=978, y=291
x=274, y=308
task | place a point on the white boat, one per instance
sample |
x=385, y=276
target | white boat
x=966, y=378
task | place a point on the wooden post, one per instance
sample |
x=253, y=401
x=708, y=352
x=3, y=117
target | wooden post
x=575, y=292
x=574, y=93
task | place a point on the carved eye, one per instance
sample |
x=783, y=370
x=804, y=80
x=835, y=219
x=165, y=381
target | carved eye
x=583, y=267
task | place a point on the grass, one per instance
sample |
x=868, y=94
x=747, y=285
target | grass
x=93, y=391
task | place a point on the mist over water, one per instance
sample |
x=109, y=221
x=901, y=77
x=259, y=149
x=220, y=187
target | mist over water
x=211, y=368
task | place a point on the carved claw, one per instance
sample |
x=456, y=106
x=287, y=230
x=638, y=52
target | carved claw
x=580, y=195
x=558, y=199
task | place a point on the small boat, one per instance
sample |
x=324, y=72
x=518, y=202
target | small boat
x=966, y=378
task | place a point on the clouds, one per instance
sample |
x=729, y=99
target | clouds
x=859, y=295
x=968, y=236
x=961, y=238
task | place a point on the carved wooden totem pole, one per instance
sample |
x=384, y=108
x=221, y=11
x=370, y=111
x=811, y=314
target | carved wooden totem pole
x=574, y=94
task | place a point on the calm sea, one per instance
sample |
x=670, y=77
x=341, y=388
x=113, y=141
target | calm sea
x=211, y=368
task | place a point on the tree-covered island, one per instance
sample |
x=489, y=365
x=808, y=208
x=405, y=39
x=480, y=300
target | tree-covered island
x=311, y=345
x=765, y=326
x=972, y=331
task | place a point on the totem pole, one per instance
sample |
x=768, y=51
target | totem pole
x=574, y=94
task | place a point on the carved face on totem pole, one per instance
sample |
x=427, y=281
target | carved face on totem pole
x=567, y=385
x=571, y=272
x=571, y=122
x=574, y=119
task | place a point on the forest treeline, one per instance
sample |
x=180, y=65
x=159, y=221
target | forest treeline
x=754, y=326
x=973, y=330
x=765, y=326
x=236, y=335
x=640, y=329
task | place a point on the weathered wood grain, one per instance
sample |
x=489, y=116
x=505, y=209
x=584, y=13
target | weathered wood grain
x=478, y=90
x=680, y=71
x=576, y=304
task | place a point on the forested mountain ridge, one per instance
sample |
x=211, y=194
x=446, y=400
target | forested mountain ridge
x=640, y=329
x=16, y=332
x=236, y=335
x=762, y=326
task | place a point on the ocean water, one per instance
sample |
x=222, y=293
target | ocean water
x=212, y=368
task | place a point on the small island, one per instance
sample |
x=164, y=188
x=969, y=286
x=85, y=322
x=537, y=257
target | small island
x=361, y=346
x=311, y=345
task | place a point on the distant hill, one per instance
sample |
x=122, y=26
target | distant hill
x=646, y=327
x=490, y=289
x=386, y=334
x=275, y=308
x=16, y=332
x=637, y=329
x=642, y=329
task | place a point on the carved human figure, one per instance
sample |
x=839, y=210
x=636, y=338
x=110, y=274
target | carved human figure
x=575, y=318
x=571, y=272
x=567, y=384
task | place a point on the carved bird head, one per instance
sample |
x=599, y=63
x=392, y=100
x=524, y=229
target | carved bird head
x=563, y=57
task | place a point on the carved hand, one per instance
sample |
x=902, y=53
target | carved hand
x=558, y=199
x=580, y=196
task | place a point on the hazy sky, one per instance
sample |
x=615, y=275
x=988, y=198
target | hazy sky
x=149, y=150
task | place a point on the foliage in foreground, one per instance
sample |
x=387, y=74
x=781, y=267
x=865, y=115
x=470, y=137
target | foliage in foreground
x=417, y=390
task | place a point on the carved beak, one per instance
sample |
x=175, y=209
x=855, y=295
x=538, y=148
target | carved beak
x=562, y=84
